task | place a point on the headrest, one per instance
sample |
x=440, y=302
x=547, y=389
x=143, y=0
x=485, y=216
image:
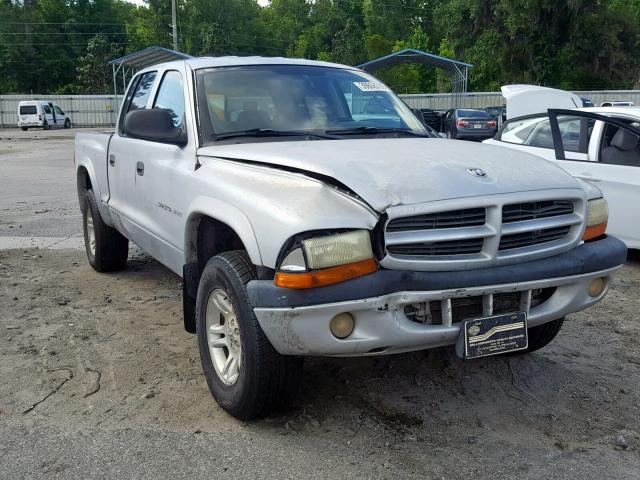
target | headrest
x=624, y=140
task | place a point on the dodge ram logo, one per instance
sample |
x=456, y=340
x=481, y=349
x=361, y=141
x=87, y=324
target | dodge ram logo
x=477, y=172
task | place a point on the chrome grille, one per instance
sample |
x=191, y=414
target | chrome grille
x=454, y=247
x=469, y=217
x=519, y=212
x=467, y=233
x=535, y=237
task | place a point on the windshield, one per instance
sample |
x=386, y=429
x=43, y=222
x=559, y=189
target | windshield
x=258, y=100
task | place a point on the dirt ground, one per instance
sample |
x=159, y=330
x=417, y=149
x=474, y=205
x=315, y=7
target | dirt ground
x=98, y=379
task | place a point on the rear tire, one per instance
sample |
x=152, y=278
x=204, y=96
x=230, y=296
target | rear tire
x=245, y=374
x=45, y=125
x=67, y=123
x=106, y=248
x=24, y=129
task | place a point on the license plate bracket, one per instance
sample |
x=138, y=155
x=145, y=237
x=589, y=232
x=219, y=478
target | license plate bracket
x=494, y=335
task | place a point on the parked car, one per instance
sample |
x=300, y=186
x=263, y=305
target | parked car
x=471, y=124
x=497, y=112
x=597, y=144
x=586, y=102
x=37, y=113
x=306, y=226
x=617, y=103
x=432, y=118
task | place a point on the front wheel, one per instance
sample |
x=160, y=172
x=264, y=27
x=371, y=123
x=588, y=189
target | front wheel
x=245, y=374
x=541, y=335
x=106, y=248
x=67, y=123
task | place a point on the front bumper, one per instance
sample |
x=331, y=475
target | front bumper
x=296, y=322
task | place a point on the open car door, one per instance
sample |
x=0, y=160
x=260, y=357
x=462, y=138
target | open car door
x=613, y=165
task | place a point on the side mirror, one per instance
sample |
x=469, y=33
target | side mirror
x=155, y=125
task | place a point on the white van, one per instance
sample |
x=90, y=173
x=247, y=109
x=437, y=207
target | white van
x=37, y=113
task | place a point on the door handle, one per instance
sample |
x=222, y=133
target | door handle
x=140, y=168
x=112, y=160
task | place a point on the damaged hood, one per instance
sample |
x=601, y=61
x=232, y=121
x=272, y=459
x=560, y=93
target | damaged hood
x=387, y=172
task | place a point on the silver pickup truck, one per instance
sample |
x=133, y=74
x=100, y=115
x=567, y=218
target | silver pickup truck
x=309, y=212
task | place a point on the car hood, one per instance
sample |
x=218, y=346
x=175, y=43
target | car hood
x=387, y=172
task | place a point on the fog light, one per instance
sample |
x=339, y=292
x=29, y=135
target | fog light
x=342, y=325
x=596, y=287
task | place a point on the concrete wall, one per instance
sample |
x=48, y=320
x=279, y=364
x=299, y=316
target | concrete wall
x=443, y=101
x=101, y=110
x=84, y=110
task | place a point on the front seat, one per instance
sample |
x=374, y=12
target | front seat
x=250, y=119
x=623, y=150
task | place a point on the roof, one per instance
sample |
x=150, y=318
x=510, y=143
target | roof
x=631, y=110
x=410, y=55
x=229, y=61
x=149, y=56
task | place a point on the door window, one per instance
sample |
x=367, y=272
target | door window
x=171, y=96
x=536, y=132
x=137, y=96
x=619, y=147
x=46, y=109
x=58, y=110
x=142, y=91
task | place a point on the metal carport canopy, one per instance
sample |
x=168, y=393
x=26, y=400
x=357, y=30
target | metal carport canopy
x=409, y=55
x=147, y=57
x=458, y=71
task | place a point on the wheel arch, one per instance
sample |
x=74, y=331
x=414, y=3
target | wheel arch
x=212, y=217
x=84, y=183
x=212, y=227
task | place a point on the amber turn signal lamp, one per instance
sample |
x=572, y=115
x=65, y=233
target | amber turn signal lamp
x=594, y=231
x=327, y=276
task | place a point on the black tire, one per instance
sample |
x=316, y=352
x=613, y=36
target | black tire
x=111, y=247
x=45, y=125
x=266, y=380
x=67, y=123
x=541, y=335
x=24, y=129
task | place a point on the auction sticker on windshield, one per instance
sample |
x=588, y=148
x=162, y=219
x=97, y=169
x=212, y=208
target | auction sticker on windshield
x=372, y=87
x=494, y=335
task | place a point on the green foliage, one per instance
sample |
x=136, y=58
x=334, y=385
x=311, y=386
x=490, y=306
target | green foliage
x=62, y=46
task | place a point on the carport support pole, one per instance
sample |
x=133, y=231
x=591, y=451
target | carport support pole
x=124, y=81
x=115, y=95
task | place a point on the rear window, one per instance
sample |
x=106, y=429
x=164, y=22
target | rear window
x=472, y=114
x=28, y=110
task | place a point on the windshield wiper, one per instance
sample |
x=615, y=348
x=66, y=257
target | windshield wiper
x=373, y=131
x=269, y=132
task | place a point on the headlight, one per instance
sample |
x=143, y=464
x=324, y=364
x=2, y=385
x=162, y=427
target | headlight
x=597, y=218
x=326, y=260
